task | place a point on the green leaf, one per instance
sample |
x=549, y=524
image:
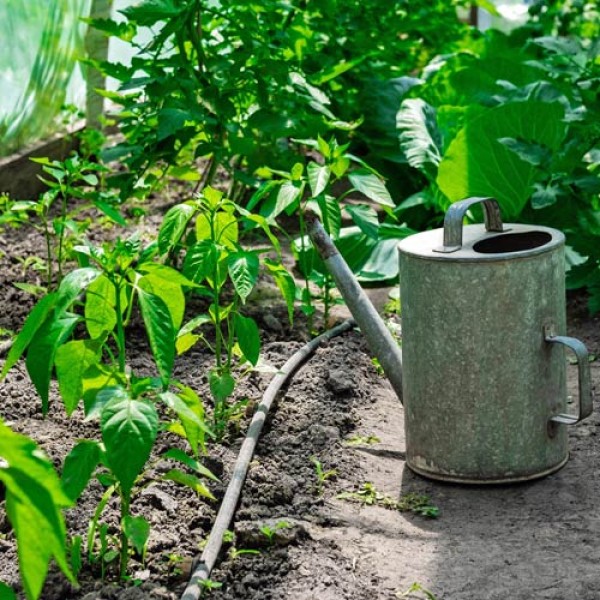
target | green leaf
x=6, y=593
x=286, y=284
x=365, y=217
x=192, y=414
x=170, y=293
x=170, y=121
x=129, y=429
x=137, y=530
x=34, y=498
x=72, y=360
x=166, y=274
x=99, y=309
x=420, y=138
x=41, y=352
x=477, y=164
x=544, y=195
x=195, y=427
x=200, y=261
x=192, y=463
x=318, y=177
x=34, y=321
x=111, y=212
x=124, y=31
x=221, y=386
x=243, y=270
x=97, y=379
x=150, y=12
x=534, y=154
x=248, y=337
x=371, y=186
x=78, y=468
x=288, y=193
x=330, y=212
x=73, y=284
x=173, y=226
x=160, y=330
x=190, y=481
x=225, y=228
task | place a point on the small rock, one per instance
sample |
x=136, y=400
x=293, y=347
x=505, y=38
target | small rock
x=339, y=382
x=272, y=323
x=142, y=575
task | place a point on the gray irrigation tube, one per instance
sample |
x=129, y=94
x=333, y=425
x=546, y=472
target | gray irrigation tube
x=230, y=500
x=5, y=347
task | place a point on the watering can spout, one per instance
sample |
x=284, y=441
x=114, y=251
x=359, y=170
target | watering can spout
x=380, y=340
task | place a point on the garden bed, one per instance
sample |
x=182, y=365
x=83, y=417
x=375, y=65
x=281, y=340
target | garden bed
x=292, y=536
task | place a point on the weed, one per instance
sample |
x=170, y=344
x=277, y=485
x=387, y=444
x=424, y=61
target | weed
x=362, y=440
x=368, y=495
x=269, y=532
x=322, y=475
x=416, y=587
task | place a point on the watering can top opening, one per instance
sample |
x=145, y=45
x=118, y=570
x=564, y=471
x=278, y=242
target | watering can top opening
x=489, y=242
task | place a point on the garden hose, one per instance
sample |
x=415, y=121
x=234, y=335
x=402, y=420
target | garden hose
x=207, y=561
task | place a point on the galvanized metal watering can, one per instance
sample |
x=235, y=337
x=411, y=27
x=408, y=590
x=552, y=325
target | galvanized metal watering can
x=482, y=371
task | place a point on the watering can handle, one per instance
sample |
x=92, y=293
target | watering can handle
x=453, y=221
x=586, y=399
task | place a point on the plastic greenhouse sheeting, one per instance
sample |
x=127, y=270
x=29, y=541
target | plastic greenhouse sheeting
x=40, y=43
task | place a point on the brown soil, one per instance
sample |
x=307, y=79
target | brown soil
x=534, y=540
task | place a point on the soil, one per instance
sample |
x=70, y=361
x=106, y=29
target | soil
x=531, y=540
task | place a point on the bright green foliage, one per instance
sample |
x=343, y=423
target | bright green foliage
x=478, y=163
x=206, y=231
x=218, y=80
x=34, y=500
x=515, y=118
x=367, y=247
x=72, y=178
x=129, y=427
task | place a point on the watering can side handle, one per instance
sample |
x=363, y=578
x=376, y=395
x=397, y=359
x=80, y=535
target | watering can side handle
x=453, y=221
x=586, y=399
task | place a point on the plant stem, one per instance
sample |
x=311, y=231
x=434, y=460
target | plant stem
x=303, y=249
x=120, y=327
x=231, y=332
x=49, y=267
x=124, y=540
x=61, y=237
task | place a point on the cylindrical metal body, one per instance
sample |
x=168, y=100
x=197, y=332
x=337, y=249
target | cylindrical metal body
x=481, y=382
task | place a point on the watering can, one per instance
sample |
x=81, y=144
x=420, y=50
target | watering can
x=482, y=370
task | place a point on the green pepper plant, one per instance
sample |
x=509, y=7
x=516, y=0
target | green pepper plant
x=331, y=175
x=101, y=296
x=53, y=214
x=206, y=232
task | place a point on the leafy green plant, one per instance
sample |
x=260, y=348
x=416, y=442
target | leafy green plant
x=270, y=532
x=72, y=178
x=220, y=81
x=322, y=475
x=416, y=588
x=206, y=230
x=368, y=495
x=316, y=187
x=129, y=427
x=34, y=503
x=362, y=440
